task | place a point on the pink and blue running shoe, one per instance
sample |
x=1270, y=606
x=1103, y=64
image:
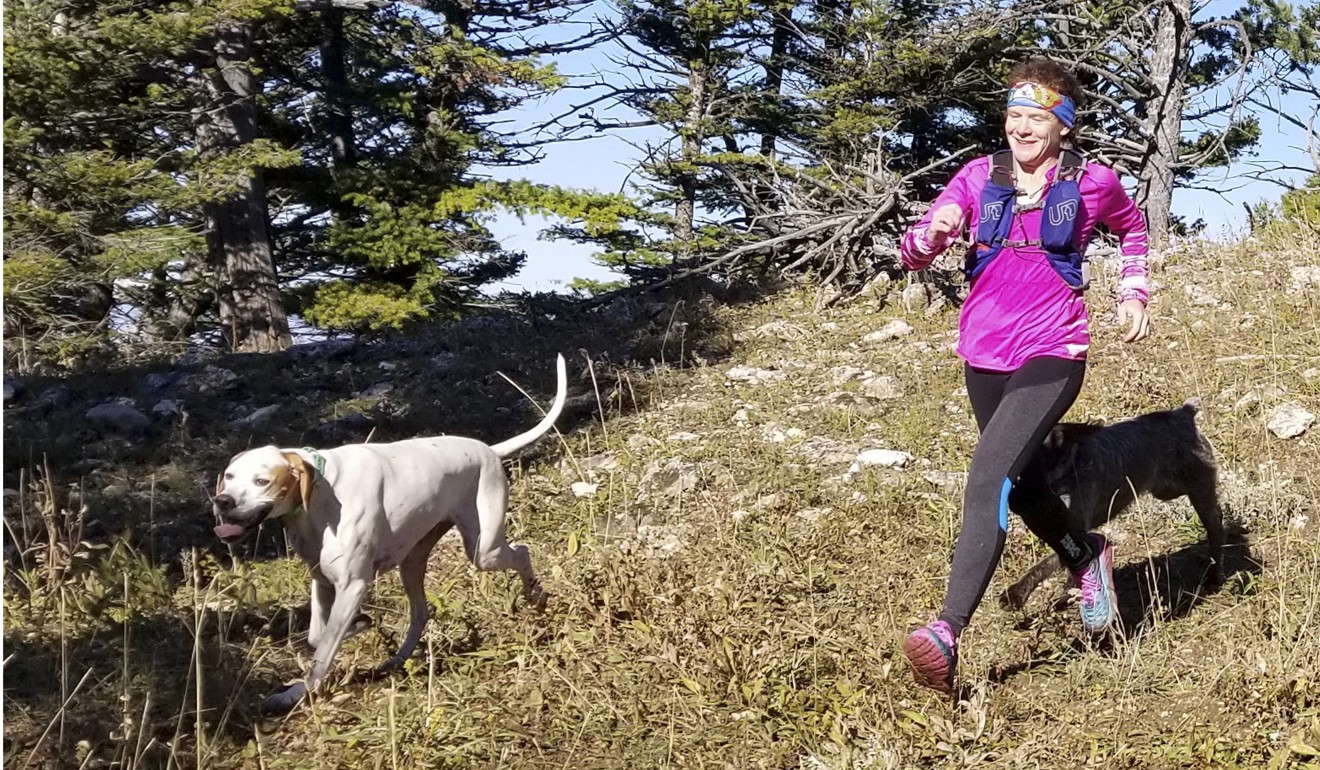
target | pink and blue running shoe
x=1099, y=603
x=933, y=652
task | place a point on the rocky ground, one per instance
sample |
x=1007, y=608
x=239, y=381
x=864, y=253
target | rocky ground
x=751, y=503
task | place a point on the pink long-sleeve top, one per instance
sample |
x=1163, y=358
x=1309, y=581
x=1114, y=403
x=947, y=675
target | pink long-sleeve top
x=1019, y=307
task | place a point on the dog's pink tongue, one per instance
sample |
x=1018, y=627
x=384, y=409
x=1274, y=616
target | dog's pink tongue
x=226, y=531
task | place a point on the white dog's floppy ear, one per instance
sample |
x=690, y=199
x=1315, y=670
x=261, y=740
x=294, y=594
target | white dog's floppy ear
x=304, y=474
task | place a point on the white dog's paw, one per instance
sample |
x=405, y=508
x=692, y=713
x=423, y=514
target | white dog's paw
x=537, y=596
x=283, y=701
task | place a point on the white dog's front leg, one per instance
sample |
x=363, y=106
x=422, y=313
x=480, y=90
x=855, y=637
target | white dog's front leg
x=323, y=597
x=343, y=612
x=348, y=599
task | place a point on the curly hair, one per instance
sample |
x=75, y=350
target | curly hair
x=1050, y=73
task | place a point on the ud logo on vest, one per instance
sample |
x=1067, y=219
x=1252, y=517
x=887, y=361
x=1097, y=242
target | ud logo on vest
x=1064, y=212
x=1063, y=206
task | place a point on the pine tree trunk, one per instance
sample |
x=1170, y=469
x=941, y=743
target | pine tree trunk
x=237, y=232
x=772, y=92
x=335, y=70
x=691, y=132
x=774, y=73
x=1164, y=118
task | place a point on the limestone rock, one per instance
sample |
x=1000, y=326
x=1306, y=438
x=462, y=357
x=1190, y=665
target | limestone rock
x=884, y=458
x=916, y=297
x=891, y=331
x=1289, y=420
x=753, y=375
x=668, y=478
x=118, y=417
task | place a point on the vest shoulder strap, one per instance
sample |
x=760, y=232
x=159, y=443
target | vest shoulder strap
x=1001, y=168
x=1071, y=164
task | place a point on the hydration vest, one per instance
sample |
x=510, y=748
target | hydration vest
x=1058, y=223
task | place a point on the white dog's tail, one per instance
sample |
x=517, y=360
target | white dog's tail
x=506, y=448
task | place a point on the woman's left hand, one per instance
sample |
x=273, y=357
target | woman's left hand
x=1132, y=314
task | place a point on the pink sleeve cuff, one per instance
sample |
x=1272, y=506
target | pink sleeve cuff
x=916, y=249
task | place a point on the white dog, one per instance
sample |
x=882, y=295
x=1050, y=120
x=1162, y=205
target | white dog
x=354, y=511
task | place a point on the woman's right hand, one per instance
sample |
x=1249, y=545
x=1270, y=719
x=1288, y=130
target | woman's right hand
x=945, y=223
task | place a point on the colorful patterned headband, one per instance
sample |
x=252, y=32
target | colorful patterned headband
x=1044, y=98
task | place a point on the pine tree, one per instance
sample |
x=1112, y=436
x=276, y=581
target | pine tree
x=208, y=165
x=1157, y=73
x=252, y=315
x=687, y=66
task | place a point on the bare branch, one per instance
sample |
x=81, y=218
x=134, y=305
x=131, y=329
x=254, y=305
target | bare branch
x=340, y=5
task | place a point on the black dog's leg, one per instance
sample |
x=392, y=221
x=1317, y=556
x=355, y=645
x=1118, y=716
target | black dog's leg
x=1207, y=508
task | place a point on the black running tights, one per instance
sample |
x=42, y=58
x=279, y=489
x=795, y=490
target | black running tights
x=1014, y=412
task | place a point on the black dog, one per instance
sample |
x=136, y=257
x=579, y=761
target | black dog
x=1101, y=470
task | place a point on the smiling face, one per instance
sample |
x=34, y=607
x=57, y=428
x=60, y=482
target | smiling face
x=256, y=484
x=1034, y=135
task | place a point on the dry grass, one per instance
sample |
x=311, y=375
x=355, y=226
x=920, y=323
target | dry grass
x=750, y=618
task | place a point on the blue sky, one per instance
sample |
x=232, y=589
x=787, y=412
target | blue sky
x=604, y=164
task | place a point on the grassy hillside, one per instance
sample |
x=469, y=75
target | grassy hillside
x=727, y=592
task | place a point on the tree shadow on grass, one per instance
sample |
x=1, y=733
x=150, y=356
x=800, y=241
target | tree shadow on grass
x=150, y=492
x=435, y=379
x=95, y=690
